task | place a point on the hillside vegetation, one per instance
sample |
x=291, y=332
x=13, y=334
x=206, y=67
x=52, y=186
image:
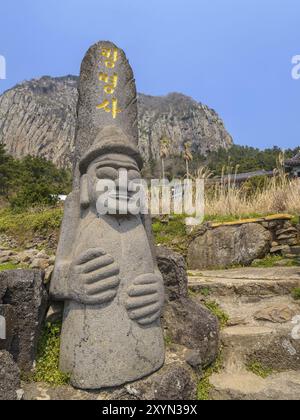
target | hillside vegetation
x=30, y=181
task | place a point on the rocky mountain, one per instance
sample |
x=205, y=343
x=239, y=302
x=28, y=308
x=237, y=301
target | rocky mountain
x=38, y=118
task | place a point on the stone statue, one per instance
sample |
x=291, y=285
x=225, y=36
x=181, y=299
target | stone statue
x=105, y=270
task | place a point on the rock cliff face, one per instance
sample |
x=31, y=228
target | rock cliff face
x=38, y=118
x=181, y=119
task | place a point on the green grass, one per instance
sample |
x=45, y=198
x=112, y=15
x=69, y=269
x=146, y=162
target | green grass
x=48, y=357
x=295, y=220
x=204, y=387
x=296, y=293
x=272, y=261
x=9, y=266
x=24, y=225
x=172, y=234
x=213, y=307
x=205, y=291
x=168, y=340
x=258, y=369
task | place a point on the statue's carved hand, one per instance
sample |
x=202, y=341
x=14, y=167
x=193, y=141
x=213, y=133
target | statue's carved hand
x=145, y=298
x=94, y=277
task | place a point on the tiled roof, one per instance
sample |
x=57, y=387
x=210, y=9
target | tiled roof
x=294, y=161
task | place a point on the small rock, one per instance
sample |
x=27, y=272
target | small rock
x=275, y=314
x=52, y=260
x=42, y=255
x=285, y=237
x=234, y=321
x=286, y=231
x=295, y=250
x=48, y=274
x=291, y=242
x=40, y=263
x=4, y=260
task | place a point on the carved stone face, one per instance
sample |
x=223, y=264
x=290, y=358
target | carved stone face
x=110, y=176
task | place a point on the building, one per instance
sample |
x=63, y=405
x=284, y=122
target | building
x=240, y=177
x=293, y=165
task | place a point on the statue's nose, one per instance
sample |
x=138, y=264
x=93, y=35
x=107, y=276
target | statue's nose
x=122, y=180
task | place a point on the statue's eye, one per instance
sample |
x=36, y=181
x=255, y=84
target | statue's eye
x=132, y=175
x=107, y=173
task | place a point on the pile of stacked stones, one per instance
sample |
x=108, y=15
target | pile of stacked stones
x=286, y=239
x=28, y=258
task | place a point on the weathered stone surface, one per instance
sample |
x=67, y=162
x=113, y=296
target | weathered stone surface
x=246, y=282
x=38, y=117
x=10, y=386
x=291, y=241
x=247, y=386
x=280, y=249
x=40, y=263
x=105, y=270
x=172, y=382
x=295, y=250
x=194, y=358
x=173, y=268
x=286, y=231
x=227, y=245
x=175, y=381
x=25, y=293
x=275, y=313
x=262, y=331
x=186, y=322
x=281, y=352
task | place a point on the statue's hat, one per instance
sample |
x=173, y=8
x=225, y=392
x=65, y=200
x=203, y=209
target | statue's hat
x=110, y=140
x=107, y=116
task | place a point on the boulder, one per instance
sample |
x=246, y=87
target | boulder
x=173, y=268
x=10, y=385
x=172, y=382
x=188, y=323
x=185, y=321
x=225, y=246
x=24, y=292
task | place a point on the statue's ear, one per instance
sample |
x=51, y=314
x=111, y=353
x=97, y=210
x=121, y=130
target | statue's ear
x=84, y=191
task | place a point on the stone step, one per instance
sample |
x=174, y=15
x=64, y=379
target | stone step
x=259, y=310
x=257, y=282
x=245, y=385
x=273, y=346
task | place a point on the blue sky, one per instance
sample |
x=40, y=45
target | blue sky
x=233, y=55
